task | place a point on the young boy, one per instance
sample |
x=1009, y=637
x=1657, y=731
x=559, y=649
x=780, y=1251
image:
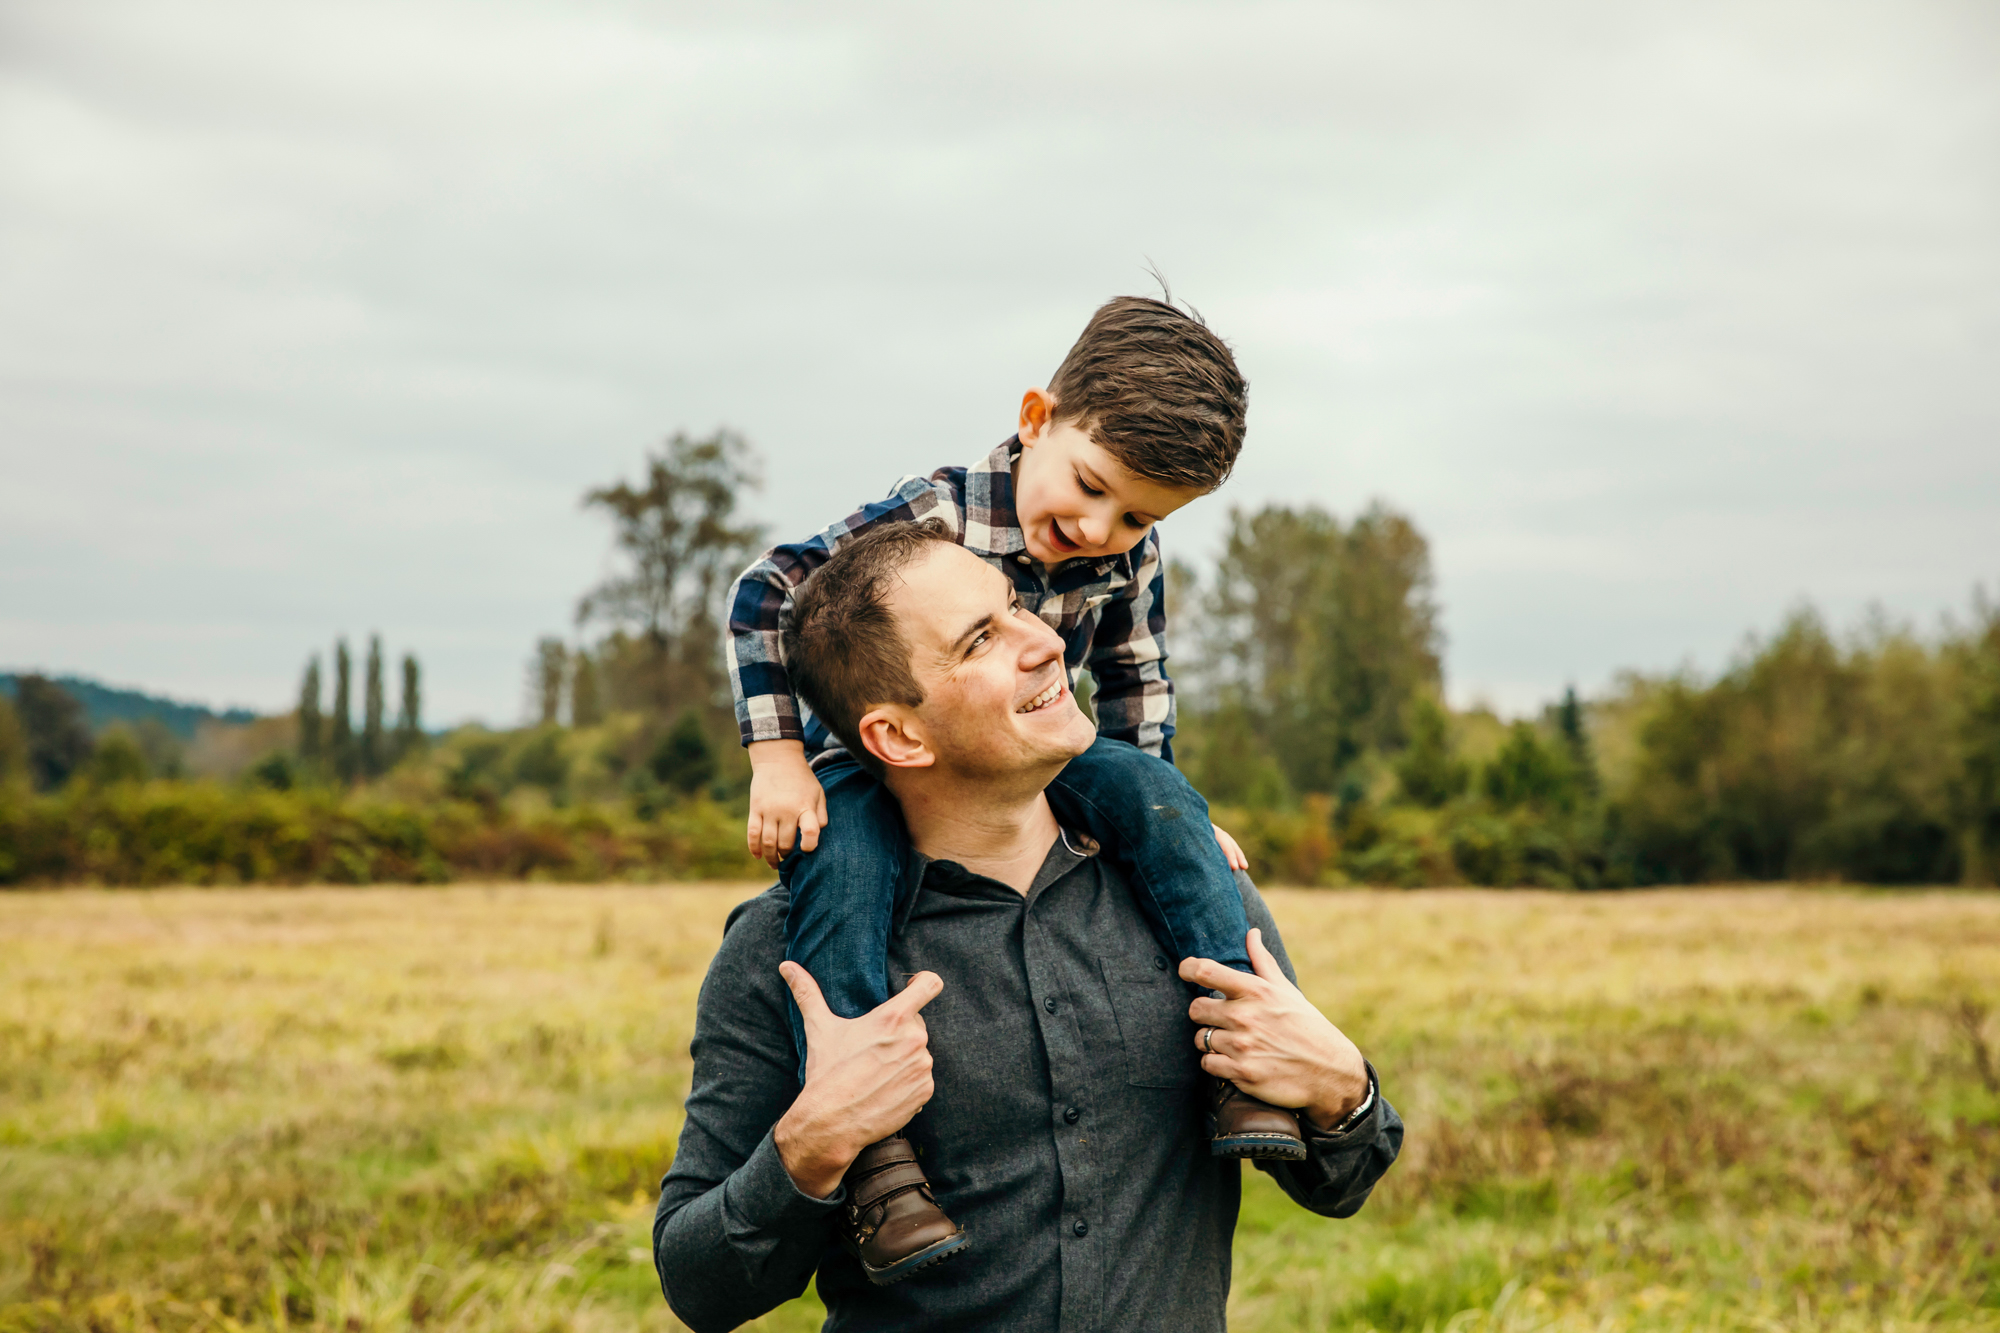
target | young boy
x=1144, y=415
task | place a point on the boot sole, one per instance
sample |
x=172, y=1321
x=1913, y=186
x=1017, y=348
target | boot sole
x=1268, y=1147
x=935, y=1253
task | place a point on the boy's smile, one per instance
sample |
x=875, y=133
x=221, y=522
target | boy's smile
x=1073, y=499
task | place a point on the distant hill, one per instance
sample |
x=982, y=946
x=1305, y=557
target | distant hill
x=105, y=704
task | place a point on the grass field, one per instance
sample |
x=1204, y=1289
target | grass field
x=447, y=1109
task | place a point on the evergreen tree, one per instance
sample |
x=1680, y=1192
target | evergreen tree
x=311, y=725
x=374, y=754
x=340, y=744
x=1576, y=740
x=1430, y=774
x=409, y=719
x=586, y=705
x=685, y=760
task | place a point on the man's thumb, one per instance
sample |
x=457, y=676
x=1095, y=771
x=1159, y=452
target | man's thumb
x=923, y=988
x=1263, y=960
x=812, y=1005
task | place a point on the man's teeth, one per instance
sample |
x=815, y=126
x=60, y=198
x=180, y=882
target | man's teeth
x=1042, y=700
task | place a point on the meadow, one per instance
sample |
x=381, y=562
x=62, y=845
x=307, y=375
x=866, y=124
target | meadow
x=447, y=1109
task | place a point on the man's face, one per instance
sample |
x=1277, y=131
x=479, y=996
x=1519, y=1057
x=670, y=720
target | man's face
x=997, y=700
x=1075, y=501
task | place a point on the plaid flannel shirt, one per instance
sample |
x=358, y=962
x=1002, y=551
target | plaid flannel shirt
x=1110, y=612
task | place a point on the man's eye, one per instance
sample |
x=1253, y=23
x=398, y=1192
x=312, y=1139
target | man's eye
x=1086, y=487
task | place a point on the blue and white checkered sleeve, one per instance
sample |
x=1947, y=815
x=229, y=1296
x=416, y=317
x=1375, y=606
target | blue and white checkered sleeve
x=766, y=709
x=1128, y=660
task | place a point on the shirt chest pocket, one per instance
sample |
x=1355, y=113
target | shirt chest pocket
x=1150, y=1008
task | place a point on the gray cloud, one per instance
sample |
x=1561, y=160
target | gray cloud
x=316, y=318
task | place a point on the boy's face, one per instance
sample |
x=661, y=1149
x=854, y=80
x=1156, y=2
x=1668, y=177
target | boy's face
x=1073, y=499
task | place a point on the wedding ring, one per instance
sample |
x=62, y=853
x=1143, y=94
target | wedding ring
x=1207, y=1036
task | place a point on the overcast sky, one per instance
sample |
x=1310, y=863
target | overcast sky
x=318, y=319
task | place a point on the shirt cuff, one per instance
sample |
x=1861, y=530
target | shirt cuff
x=764, y=1197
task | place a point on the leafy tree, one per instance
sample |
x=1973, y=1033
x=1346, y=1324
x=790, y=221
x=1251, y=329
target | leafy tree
x=52, y=721
x=1324, y=634
x=1430, y=774
x=684, y=759
x=409, y=718
x=275, y=771
x=340, y=744
x=542, y=762
x=312, y=726
x=548, y=671
x=116, y=758
x=678, y=532
x=374, y=750
x=1978, y=786
x=13, y=745
x=1529, y=772
x=586, y=708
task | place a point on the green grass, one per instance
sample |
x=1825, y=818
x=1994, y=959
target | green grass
x=447, y=1108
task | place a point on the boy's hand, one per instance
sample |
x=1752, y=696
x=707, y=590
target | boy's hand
x=1230, y=851
x=785, y=798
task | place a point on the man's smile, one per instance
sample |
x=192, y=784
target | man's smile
x=1051, y=695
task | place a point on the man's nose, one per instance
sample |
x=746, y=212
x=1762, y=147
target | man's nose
x=1042, y=643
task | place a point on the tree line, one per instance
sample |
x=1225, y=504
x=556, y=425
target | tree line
x=1312, y=714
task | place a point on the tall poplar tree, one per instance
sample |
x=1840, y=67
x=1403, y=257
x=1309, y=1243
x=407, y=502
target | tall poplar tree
x=340, y=744
x=374, y=754
x=586, y=705
x=312, y=737
x=409, y=719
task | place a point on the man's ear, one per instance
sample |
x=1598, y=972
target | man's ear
x=1038, y=413
x=895, y=736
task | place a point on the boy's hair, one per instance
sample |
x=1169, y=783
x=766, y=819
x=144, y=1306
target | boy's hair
x=1158, y=389
x=842, y=647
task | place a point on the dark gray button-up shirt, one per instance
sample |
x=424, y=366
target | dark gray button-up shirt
x=1067, y=1133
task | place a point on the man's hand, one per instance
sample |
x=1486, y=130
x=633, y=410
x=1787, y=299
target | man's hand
x=1271, y=1042
x=785, y=797
x=865, y=1078
x=1230, y=851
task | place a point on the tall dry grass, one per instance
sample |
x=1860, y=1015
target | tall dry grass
x=446, y=1109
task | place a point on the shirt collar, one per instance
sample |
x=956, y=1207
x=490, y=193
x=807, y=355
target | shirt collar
x=993, y=525
x=1066, y=853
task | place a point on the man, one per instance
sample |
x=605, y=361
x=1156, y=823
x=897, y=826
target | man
x=1040, y=1042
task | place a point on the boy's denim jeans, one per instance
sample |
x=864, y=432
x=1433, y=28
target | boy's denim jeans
x=848, y=894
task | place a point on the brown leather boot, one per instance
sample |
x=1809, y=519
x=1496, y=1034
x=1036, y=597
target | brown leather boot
x=893, y=1223
x=1242, y=1126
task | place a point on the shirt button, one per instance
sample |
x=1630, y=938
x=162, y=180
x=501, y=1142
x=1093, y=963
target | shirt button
x=1050, y=1004
x=1071, y=1116
x=1159, y=962
x=1022, y=559
x=1082, y=1228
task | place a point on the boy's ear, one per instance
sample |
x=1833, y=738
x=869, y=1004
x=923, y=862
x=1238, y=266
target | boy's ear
x=894, y=736
x=1038, y=413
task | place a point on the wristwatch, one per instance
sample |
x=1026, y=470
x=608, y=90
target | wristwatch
x=1348, y=1121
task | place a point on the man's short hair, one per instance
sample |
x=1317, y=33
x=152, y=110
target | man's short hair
x=843, y=649
x=1158, y=390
